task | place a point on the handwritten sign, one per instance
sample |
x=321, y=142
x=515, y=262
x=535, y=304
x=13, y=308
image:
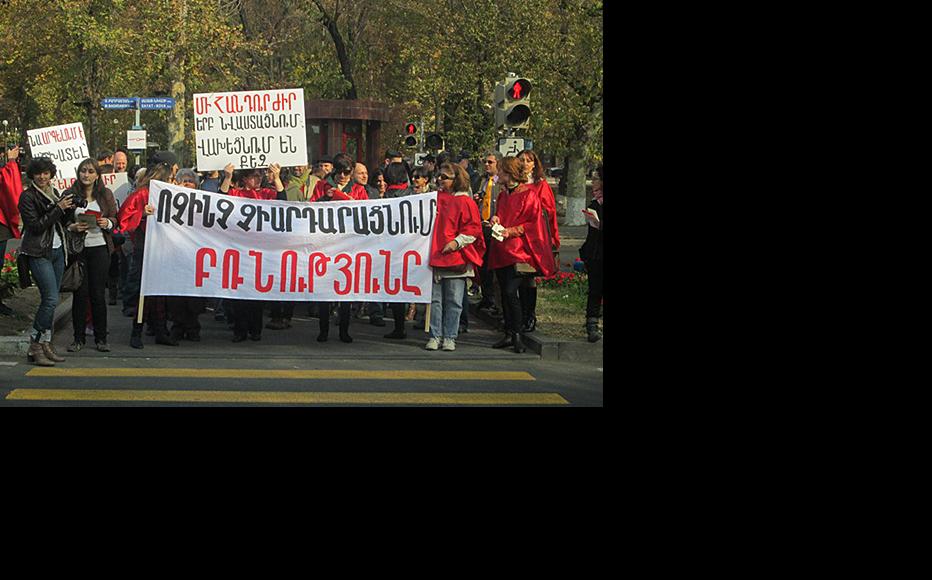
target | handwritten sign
x=65, y=145
x=250, y=129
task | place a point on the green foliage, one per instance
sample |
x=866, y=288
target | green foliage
x=439, y=61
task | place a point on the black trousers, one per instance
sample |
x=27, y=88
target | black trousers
x=184, y=311
x=509, y=282
x=486, y=274
x=324, y=314
x=94, y=286
x=283, y=310
x=596, y=278
x=247, y=317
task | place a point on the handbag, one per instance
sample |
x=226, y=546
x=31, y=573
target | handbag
x=22, y=268
x=73, y=277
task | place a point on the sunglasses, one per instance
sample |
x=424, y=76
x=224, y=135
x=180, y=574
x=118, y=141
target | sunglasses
x=489, y=161
x=443, y=176
x=346, y=171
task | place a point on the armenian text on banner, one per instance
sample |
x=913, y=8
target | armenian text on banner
x=250, y=129
x=213, y=245
x=65, y=145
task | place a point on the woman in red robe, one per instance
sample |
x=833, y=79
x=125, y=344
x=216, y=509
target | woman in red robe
x=536, y=179
x=524, y=248
x=456, y=254
x=11, y=185
x=247, y=314
x=132, y=221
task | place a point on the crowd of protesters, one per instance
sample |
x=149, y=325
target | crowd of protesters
x=496, y=230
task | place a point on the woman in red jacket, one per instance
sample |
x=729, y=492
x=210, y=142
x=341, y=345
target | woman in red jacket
x=132, y=216
x=456, y=254
x=536, y=179
x=520, y=244
x=247, y=314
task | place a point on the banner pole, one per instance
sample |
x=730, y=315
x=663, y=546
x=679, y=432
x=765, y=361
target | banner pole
x=142, y=300
x=427, y=318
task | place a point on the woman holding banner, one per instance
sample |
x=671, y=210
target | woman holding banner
x=94, y=246
x=247, y=314
x=44, y=214
x=132, y=221
x=520, y=244
x=338, y=186
x=455, y=256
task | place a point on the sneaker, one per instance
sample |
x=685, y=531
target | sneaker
x=75, y=346
x=449, y=344
x=432, y=344
x=103, y=347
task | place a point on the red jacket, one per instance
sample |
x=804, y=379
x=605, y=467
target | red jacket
x=264, y=193
x=355, y=192
x=132, y=212
x=521, y=210
x=11, y=186
x=549, y=203
x=456, y=214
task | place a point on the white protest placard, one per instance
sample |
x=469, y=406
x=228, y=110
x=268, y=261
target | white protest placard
x=212, y=245
x=136, y=140
x=65, y=145
x=250, y=129
x=118, y=184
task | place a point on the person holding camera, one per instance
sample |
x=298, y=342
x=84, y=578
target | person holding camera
x=92, y=244
x=45, y=214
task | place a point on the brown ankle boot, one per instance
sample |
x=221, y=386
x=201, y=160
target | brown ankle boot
x=37, y=355
x=50, y=352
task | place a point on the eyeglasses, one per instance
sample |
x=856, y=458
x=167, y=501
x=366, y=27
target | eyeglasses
x=346, y=171
x=489, y=161
x=443, y=176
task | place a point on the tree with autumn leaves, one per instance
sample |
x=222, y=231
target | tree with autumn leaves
x=436, y=61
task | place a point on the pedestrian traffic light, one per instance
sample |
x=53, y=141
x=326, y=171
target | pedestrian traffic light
x=410, y=134
x=434, y=141
x=517, y=103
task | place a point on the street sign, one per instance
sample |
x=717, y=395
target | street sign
x=419, y=158
x=152, y=103
x=136, y=140
x=511, y=146
x=118, y=103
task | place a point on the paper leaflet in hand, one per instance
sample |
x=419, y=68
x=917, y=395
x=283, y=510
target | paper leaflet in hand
x=592, y=217
x=497, y=230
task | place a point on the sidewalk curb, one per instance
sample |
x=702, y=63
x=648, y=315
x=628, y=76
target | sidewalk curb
x=549, y=348
x=19, y=345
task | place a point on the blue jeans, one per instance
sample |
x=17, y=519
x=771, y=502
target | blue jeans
x=47, y=274
x=445, y=307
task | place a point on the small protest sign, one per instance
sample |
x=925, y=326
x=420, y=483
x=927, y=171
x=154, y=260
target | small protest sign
x=65, y=145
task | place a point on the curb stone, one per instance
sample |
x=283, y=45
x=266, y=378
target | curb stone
x=19, y=345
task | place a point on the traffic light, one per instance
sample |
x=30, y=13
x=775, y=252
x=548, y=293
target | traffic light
x=517, y=103
x=410, y=134
x=434, y=141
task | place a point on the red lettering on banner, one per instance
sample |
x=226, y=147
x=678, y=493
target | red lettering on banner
x=259, y=285
x=292, y=257
x=367, y=274
x=201, y=105
x=316, y=266
x=346, y=272
x=231, y=269
x=201, y=274
x=404, y=275
x=389, y=289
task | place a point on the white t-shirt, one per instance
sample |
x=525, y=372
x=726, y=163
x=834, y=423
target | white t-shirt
x=95, y=236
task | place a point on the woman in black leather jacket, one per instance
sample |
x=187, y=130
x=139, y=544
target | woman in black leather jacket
x=45, y=215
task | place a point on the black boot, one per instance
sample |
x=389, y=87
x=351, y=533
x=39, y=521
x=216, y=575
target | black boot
x=519, y=344
x=592, y=327
x=398, y=314
x=163, y=337
x=529, y=308
x=508, y=340
x=344, y=330
x=135, y=339
x=324, y=327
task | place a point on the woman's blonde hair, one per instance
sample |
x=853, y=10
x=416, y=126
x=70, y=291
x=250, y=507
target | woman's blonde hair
x=460, y=177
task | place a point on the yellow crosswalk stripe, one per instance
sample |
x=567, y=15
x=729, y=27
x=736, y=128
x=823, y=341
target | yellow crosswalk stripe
x=281, y=374
x=280, y=397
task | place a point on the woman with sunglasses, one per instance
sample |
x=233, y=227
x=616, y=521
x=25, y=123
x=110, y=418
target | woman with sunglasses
x=522, y=246
x=247, y=314
x=132, y=220
x=536, y=179
x=338, y=186
x=93, y=245
x=455, y=256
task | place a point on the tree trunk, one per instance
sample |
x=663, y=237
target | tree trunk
x=575, y=171
x=177, y=70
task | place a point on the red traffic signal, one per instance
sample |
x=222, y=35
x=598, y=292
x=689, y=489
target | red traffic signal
x=520, y=89
x=410, y=129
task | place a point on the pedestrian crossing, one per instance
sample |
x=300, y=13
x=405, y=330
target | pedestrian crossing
x=288, y=387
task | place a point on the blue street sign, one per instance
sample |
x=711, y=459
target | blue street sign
x=118, y=103
x=148, y=104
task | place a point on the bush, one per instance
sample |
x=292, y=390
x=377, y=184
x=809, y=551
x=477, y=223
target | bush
x=9, y=276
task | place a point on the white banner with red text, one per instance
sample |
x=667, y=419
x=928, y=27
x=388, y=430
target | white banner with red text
x=213, y=245
x=65, y=145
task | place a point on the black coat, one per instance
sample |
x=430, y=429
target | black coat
x=40, y=217
x=591, y=250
